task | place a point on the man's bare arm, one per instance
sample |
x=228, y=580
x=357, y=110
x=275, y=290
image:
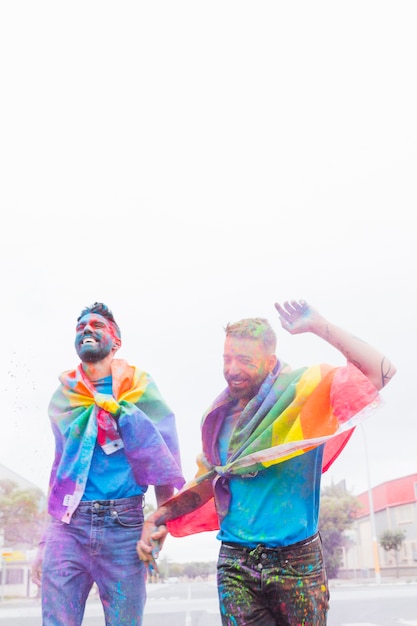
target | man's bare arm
x=299, y=317
x=154, y=528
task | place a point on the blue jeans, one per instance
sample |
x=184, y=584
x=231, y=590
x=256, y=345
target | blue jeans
x=98, y=546
x=273, y=586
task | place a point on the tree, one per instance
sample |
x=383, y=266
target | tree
x=22, y=514
x=170, y=569
x=148, y=508
x=393, y=540
x=337, y=514
x=200, y=568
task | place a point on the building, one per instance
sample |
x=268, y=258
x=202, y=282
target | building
x=8, y=474
x=15, y=562
x=393, y=506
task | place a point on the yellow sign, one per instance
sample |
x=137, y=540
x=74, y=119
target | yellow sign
x=15, y=555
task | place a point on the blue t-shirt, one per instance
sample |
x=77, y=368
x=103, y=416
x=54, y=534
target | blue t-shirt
x=110, y=476
x=278, y=506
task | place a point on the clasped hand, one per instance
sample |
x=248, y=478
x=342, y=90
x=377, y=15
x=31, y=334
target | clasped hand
x=151, y=541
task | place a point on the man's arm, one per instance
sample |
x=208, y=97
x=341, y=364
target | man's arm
x=299, y=317
x=154, y=528
x=153, y=535
x=163, y=493
x=36, y=568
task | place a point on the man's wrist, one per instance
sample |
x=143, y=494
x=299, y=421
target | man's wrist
x=161, y=519
x=157, y=518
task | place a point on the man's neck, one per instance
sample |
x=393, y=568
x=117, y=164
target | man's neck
x=101, y=369
x=241, y=404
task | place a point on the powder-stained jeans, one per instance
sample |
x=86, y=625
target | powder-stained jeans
x=273, y=586
x=99, y=545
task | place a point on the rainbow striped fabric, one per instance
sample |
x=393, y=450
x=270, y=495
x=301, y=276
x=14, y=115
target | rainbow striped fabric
x=145, y=424
x=293, y=412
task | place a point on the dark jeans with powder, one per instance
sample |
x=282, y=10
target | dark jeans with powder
x=273, y=586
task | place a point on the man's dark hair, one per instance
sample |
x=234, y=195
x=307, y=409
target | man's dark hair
x=100, y=309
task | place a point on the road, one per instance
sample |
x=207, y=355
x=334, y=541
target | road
x=379, y=605
x=195, y=604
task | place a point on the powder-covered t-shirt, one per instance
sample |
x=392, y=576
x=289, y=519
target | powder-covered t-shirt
x=276, y=507
x=110, y=476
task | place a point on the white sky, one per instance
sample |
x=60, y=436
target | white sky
x=190, y=164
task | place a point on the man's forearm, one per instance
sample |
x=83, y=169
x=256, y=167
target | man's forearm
x=365, y=357
x=185, y=502
x=163, y=493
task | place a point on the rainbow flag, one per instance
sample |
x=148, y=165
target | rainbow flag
x=293, y=412
x=144, y=423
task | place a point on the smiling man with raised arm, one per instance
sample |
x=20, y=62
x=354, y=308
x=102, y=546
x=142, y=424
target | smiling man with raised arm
x=267, y=438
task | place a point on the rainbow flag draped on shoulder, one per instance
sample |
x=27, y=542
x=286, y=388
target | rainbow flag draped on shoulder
x=134, y=417
x=293, y=412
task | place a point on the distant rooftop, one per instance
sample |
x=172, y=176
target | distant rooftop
x=8, y=474
x=391, y=493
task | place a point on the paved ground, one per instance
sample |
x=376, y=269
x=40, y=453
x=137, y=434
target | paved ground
x=35, y=602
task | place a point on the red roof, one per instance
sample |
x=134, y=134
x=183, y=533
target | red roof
x=392, y=493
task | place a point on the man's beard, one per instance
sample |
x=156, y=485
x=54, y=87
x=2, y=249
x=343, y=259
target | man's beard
x=246, y=393
x=93, y=354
